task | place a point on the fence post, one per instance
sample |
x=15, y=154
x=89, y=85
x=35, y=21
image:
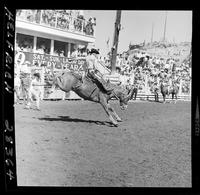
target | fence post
x=146, y=86
x=42, y=80
x=64, y=94
x=82, y=25
x=41, y=13
x=180, y=88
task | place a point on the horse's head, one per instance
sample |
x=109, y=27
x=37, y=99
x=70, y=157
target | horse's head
x=124, y=96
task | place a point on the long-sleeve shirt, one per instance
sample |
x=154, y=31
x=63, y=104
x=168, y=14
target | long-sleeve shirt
x=91, y=62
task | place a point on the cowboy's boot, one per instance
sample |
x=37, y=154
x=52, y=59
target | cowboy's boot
x=106, y=86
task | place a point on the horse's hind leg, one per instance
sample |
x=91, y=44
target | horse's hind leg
x=105, y=107
x=114, y=113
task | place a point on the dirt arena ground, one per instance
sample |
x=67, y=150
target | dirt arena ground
x=71, y=143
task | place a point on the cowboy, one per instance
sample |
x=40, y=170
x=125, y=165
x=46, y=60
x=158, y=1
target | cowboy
x=93, y=70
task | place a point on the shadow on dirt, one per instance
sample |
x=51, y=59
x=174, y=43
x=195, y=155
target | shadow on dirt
x=69, y=119
x=155, y=101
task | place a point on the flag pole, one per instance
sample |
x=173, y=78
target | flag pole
x=165, y=25
x=152, y=33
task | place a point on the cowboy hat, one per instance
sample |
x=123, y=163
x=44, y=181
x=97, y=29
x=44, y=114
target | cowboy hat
x=36, y=74
x=93, y=50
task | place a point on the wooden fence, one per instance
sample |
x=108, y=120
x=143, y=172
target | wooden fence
x=143, y=94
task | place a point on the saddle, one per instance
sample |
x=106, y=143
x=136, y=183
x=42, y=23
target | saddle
x=98, y=84
x=92, y=81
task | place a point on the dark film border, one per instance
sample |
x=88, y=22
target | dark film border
x=9, y=156
x=9, y=180
x=8, y=101
x=195, y=103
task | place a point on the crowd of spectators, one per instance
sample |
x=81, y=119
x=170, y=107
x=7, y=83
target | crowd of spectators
x=143, y=69
x=69, y=20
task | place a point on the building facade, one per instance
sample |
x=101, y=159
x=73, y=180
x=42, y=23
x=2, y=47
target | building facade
x=55, y=39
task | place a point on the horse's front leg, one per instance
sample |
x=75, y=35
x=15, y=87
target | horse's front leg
x=105, y=107
x=114, y=113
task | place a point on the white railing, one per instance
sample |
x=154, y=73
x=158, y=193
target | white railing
x=57, y=20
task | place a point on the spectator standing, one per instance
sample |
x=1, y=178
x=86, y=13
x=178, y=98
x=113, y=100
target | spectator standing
x=17, y=85
x=41, y=50
x=35, y=90
x=62, y=53
x=74, y=53
x=25, y=76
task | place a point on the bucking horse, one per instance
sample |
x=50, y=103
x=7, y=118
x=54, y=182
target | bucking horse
x=88, y=90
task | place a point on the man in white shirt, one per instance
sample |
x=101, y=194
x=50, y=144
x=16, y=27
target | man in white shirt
x=17, y=84
x=35, y=90
x=25, y=73
x=93, y=70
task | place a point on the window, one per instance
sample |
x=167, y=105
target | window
x=43, y=45
x=60, y=48
x=24, y=42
